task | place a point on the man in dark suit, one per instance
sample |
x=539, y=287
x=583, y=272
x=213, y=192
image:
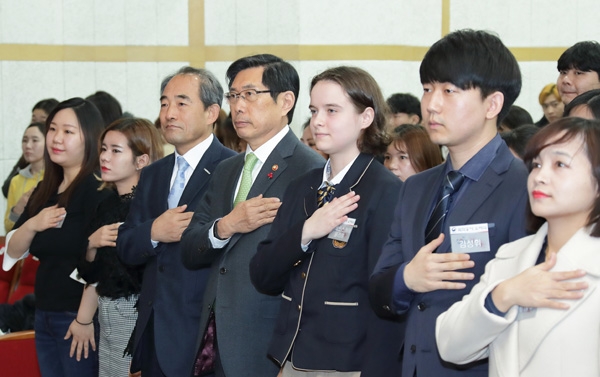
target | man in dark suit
x=237, y=210
x=171, y=297
x=431, y=259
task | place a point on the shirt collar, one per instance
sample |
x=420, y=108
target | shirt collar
x=477, y=165
x=194, y=155
x=338, y=178
x=264, y=151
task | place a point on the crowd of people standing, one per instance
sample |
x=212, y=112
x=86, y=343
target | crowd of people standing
x=447, y=236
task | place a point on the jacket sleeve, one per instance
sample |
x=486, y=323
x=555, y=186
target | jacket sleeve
x=197, y=250
x=465, y=331
x=280, y=252
x=134, y=245
x=382, y=284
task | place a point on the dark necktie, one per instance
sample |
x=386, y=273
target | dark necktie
x=205, y=360
x=325, y=194
x=452, y=183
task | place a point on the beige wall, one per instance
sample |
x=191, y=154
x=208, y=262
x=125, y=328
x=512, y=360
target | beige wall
x=72, y=48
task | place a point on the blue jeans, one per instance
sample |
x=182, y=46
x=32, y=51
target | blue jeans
x=53, y=350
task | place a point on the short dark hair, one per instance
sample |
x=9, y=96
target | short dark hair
x=47, y=105
x=108, y=105
x=583, y=56
x=211, y=91
x=570, y=128
x=405, y=103
x=91, y=124
x=589, y=99
x=517, y=138
x=364, y=92
x=278, y=76
x=474, y=59
x=516, y=116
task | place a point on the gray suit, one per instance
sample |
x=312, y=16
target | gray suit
x=245, y=318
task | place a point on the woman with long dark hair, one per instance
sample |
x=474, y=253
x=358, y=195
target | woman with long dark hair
x=53, y=228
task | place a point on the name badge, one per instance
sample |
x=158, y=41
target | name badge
x=342, y=232
x=472, y=238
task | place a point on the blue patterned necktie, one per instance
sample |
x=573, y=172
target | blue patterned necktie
x=179, y=183
x=452, y=183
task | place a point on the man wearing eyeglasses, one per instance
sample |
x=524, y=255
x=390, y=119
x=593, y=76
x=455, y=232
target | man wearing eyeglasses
x=235, y=216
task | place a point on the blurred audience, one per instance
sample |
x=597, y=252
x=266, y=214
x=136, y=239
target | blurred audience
x=23, y=184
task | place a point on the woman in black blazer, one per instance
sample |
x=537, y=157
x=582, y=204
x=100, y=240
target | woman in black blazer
x=327, y=237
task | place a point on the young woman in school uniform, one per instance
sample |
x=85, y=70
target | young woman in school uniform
x=535, y=311
x=327, y=237
x=53, y=228
x=126, y=146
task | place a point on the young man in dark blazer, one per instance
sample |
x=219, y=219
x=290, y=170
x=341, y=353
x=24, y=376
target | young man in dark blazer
x=237, y=210
x=168, y=191
x=432, y=258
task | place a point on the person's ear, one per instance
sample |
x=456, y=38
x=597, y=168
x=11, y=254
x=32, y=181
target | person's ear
x=494, y=102
x=414, y=119
x=367, y=117
x=142, y=161
x=212, y=113
x=288, y=99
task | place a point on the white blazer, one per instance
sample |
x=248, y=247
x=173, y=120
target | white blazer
x=529, y=342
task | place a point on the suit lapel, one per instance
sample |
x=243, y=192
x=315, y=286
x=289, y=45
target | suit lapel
x=348, y=183
x=580, y=252
x=275, y=165
x=230, y=182
x=477, y=193
x=431, y=187
x=201, y=175
x=163, y=180
x=269, y=173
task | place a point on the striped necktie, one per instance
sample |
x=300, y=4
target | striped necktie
x=452, y=184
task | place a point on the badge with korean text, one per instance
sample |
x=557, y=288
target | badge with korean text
x=342, y=233
x=471, y=238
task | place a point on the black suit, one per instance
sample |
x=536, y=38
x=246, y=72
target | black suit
x=171, y=294
x=499, y=199
x=325, y=320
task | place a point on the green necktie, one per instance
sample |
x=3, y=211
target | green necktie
x=246, y=183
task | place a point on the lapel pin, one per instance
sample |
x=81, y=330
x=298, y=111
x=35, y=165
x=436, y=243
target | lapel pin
x=270, y=175
x=275, y=167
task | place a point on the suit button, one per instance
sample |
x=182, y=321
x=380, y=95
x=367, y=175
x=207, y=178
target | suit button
x=387, y=308
x=299, y=307
x=421, y=306
x=413, y=348
x=223, y=270
x=303, y=275
x=161, y=268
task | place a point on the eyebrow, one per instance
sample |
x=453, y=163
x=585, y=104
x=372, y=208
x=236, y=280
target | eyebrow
x=180, y=96
x=247, y=86
x=561, y=153
x=64, y=124
x=112, y=145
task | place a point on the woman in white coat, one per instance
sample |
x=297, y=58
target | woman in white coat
x=536, y=310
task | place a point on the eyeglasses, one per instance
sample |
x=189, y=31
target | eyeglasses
x=249, y=95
